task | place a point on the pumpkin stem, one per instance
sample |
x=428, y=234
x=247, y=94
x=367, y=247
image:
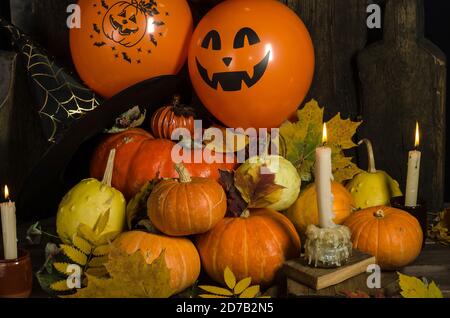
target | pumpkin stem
x=183, y=173
x=371, y=166
x=245, y=214
x=176, y=101
x=107, y=177
x=379, y=214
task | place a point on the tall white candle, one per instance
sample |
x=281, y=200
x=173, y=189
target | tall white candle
x=323, y=177
x=412, y=179
x=9, y=230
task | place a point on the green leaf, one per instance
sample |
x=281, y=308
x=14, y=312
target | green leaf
x=250, y=292
x=229, y=278
x=216, y=290
x=242, y=285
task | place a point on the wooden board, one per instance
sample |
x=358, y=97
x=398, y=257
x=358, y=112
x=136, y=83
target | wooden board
x=319, y=278
x=338, y=30
x=403, y=79
x=433, y=263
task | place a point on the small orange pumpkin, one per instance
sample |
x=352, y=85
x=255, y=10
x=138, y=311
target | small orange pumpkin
x=168, y=118
x=254, y=245
x=393, y=236
x=180, y=254
x=186, y=206
x=304, y=211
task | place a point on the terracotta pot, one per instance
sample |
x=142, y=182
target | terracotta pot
x=16, y=276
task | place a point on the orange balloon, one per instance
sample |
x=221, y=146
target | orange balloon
x=123, y=42
x=251, y=62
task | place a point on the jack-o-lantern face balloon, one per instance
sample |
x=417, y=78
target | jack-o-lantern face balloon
x=123, y=42
x=251, y=62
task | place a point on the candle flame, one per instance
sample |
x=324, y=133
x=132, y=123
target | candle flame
x=324, y=134
x=417, y=141
x=6, y=192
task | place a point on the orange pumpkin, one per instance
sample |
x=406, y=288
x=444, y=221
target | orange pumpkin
x=251, y=62
x=186, y=206
x=304, y=211
x=122, y=42
x=393, y=236
x=168, y=118
x=254, y=245
x=140, y=158
x=180, y=254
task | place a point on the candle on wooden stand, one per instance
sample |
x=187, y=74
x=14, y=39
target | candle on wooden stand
x=323, y=177
x=8, y=216
x=412, y=179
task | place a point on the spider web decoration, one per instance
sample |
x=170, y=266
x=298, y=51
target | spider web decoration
x=60, y=98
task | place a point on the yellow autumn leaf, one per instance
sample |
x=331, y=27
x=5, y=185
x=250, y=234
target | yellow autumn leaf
x=82, y=244
x=97, y=271
x=242, y=285
x=106, y=238
x=61, y=267
x=299, y=140
x=101, y=223
x=74, y=254
x=412, y=287
x=60, y=286
x=87, y=233
x=216, y=290
x=211, y=296
x=98, y=261
x=130, y=277
x=101, y=250
x=230, y=279
x=250, y=292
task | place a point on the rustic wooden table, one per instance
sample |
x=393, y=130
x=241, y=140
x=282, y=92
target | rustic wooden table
x=433, y=263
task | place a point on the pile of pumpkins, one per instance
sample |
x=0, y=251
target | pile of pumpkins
x=188, y=208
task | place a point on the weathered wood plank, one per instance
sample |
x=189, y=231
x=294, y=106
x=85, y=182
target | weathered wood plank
x=403, y=79
x=338, y=30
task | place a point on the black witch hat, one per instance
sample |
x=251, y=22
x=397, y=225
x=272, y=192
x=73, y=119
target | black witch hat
x=71, y=115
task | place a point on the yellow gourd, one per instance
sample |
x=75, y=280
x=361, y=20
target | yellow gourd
x=87, y=201
x=372, y=187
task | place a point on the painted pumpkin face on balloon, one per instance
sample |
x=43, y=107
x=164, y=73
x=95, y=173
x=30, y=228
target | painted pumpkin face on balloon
x=123, y=42
x=126, y=23
x=251, y=62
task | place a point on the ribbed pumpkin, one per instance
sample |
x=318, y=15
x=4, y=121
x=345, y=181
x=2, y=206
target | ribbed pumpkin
x=254, y=245
x=168, y=118
x=393, y=236
x=181, y=256
x=304, y=211
x=140, y=157
x=186, y=206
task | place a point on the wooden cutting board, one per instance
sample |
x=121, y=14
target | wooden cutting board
x=403, y=80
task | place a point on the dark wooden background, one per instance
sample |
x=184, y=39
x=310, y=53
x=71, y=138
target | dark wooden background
x=389, y=78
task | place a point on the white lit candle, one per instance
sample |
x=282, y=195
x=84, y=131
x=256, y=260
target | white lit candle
x=323, y=178
x=8, y=211
x=412, y=179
